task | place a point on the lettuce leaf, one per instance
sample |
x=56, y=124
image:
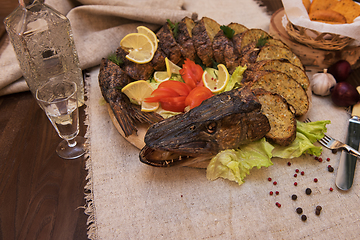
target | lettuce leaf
x=313, y=130
x=235, y=79
x=298, y=147
x=235, y=164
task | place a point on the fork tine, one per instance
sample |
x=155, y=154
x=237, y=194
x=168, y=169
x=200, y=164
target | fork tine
x=328, y=138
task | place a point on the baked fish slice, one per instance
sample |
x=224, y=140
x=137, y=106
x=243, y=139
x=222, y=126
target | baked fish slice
x=281, y=117
x=282, y=84
x=283, y=66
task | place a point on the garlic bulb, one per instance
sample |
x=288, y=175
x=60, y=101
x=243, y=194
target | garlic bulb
x=321, y=83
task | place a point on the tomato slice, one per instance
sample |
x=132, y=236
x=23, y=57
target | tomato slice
x=197, y=96
x=191, y=73
x=181, y=88
x=174, y=104
x=161, y=93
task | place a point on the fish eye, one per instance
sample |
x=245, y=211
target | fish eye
x=211, y=127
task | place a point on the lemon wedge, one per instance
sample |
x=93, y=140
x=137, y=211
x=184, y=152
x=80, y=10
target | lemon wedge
x=161, y=76
x=216, y=79
x=137, y=92
x=141, y=48
x=146, y=31
x=171, y=67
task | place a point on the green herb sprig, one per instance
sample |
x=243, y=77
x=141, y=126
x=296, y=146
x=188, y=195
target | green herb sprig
x=114, y=58
x=262, y=41
x=228, y=31
x=174, y=27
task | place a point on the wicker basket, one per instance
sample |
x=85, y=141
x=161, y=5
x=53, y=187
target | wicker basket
x=314, y=39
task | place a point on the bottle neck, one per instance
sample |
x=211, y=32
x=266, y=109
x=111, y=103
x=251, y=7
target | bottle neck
x=26, y=3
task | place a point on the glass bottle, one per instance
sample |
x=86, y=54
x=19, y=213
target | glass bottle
x=44, y=45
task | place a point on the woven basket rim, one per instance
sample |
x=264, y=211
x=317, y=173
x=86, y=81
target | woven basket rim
x=335, y=42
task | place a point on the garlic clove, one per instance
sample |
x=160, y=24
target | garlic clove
x=321, y=83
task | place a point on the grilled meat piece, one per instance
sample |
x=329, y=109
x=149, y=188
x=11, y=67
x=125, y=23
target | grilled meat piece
x=224, y=51
x=134, y=70
x=184, y=38
x=203, y=34
x=168, y=44
x=224, y=121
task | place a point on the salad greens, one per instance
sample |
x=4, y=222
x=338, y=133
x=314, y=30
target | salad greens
x=235, y=164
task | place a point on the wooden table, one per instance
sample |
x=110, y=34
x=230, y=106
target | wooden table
x=41, y=195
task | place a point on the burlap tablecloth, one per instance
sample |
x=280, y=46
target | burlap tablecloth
x=129, y=200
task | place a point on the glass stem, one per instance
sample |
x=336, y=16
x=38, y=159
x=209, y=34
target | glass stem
x=72, y=142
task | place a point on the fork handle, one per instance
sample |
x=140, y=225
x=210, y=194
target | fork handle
x=352, y=151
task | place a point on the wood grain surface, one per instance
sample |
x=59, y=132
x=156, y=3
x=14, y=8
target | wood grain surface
x=41, y=195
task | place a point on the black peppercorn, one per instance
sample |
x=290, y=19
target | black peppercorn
x=308, y=191
x=303, y=217
x=299, y=210
x=293, y=197
x=318, y=210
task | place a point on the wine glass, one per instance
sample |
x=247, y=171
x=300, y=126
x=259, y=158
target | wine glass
x=59, y=101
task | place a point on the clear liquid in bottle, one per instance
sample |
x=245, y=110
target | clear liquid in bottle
x=44, y=45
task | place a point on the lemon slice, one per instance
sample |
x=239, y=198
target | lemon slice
x=137, y=92
x=216, y=80
x=171, y=67
x=161, y=76
x=150, y=34
x=140, y=47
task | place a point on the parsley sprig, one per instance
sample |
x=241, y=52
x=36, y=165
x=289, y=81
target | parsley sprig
x=228, y=31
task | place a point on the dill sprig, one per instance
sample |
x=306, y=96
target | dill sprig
x=114, y=58
x=174, y=27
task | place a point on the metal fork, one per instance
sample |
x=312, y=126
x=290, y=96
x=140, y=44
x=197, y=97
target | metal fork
x=333, y=144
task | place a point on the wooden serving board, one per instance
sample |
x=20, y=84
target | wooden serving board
x=135, y=139
x=138, y=139
x=314, y=60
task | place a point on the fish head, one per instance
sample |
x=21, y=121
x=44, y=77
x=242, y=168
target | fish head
x=224, y=121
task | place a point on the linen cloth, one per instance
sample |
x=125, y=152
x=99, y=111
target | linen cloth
x=130, y=200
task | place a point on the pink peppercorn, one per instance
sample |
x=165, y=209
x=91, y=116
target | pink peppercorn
x=320, y=159
x=328, y=159
x=289, y=163
x=331, y=189
x=271, y=193
x=297, y=170
x=277, y=192
x=275, y=182
x=269, y=179
x=295, y=183
x=316, y=158
x=278, y=204
x=295, y=175
x=315, y=179
x=302, y=173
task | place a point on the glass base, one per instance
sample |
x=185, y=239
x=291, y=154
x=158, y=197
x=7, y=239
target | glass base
x=67, y=152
